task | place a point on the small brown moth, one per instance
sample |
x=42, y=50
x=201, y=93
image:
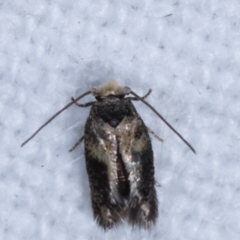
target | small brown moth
x=119, y=157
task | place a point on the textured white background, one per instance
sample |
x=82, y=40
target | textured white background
x=52, y=50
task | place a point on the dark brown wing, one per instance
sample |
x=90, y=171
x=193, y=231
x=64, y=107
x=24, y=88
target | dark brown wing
x=137, y=155
x=101, y=162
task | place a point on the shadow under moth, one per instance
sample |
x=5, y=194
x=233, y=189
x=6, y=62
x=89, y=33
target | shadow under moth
x=119, y=157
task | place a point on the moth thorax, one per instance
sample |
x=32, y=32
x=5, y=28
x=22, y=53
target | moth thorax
x=110, y=89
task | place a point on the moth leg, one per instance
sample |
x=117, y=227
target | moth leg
x=82, y=105
x=157, y=184
x=154, y=134
x=76, y=144
x=143, y=97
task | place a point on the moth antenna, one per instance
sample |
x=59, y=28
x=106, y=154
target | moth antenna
x=55, y=115
x=165, y=121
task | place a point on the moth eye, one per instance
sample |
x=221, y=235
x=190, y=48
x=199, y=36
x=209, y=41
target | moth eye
x=121, y=96
x=98, y=99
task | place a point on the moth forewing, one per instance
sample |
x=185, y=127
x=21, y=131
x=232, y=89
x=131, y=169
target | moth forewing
x=119, y=157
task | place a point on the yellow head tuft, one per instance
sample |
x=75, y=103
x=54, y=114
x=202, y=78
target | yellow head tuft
x=110, y=88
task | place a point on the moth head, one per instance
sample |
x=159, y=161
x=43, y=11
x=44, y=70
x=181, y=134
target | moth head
x=110, y=89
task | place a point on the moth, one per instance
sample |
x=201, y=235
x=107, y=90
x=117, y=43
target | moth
x=119, y=157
